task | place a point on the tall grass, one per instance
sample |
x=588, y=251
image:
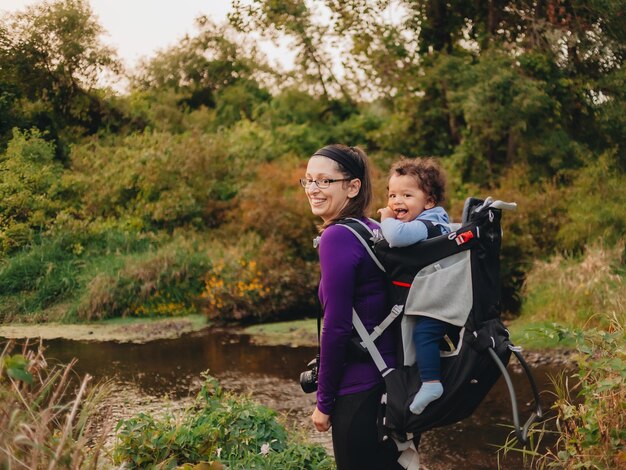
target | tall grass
x=54, y=269
x=589, y=413
x=47, y=417
x=581, y=291
x=163, y=281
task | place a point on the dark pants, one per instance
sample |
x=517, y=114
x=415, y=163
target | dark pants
x=355, y=435
x=427, y=334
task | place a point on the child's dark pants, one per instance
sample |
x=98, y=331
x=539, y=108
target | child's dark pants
x=427, y=334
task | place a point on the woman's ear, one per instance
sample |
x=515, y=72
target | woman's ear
x=354, y=186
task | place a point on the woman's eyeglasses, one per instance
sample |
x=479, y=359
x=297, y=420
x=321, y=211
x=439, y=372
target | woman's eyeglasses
x=321, y=183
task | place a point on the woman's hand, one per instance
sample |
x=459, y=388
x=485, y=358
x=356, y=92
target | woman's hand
x=320, y=420
x=386, y=213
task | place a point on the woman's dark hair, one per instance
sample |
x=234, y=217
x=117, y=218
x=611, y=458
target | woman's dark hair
x=357, y=206
x=427, y=173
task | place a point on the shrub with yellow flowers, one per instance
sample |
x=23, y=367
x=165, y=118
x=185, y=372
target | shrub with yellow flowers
x=260, y=280
x=233, y=289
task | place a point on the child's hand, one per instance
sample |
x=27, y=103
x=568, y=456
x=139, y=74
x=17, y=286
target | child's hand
x=386, y=213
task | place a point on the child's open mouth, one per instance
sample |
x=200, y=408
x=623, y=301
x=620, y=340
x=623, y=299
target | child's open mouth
x=400, y=213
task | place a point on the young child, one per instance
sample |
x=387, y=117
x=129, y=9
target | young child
x=416, y=188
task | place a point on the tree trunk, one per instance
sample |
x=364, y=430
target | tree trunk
x=437, y=13
x=452, y=124
x=511, y=147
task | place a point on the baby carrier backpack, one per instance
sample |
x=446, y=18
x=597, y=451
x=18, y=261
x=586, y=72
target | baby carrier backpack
x=456, y=273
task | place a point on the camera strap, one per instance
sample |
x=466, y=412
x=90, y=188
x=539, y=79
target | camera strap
x=319, y=326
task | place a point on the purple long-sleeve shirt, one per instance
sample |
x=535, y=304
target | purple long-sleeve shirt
x=350, y=278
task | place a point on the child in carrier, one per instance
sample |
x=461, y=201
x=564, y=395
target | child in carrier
x=416, y=188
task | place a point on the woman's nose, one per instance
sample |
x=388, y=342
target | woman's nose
x=312, y=189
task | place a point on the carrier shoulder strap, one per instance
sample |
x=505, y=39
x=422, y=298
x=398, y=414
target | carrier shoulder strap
x=365, y=235
x=368, y=342
x=431, y=228
x=368, y=238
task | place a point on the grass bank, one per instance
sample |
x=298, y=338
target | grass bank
x=107, y=270
x=290, y=333
x=122, y=330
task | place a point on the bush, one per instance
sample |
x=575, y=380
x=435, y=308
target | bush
x=165, y=180
x=249, y=278
x=596, y=205
x=257, y=279
x=563, y=215
x=56, y=268
x=529, y=233
x=161, y=282
x=218, y=427
x=274, y=206
x=31, y=189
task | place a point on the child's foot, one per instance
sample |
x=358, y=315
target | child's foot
x=429, y=392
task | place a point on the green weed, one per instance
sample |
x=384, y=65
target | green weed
x=218, y=427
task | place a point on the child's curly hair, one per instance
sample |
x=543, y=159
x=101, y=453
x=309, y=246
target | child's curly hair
x=428, y=174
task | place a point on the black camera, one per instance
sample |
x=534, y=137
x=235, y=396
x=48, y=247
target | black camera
x=308, y=378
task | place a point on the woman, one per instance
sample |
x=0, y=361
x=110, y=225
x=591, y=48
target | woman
x=338, y=185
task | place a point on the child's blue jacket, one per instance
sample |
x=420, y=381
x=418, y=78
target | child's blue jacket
x=399, y=233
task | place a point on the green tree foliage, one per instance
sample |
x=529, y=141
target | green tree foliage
x=51, y=58
x=32, y=189
x=165, y=180
x=446, y=69
x=205, y=70
x=206, y=62
x=296, y=18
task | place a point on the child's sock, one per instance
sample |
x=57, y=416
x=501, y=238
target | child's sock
x=429, y=391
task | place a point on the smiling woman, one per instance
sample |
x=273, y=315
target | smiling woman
x=338, y=186
x=326, y=198
x=338, y=164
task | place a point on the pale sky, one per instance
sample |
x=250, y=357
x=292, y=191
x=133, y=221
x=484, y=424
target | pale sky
x=138, y=28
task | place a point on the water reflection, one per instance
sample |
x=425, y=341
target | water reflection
x=171, y=365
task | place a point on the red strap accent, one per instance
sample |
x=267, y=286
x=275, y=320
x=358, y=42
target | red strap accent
x=464, y=237
x=401, y=284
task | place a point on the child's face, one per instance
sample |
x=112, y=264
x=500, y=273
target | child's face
x=406, y=199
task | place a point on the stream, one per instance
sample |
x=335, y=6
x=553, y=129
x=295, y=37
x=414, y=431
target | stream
x=270, y=374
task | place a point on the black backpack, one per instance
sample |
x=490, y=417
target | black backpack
x=459, y=272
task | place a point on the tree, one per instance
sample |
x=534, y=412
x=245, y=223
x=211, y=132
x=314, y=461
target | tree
x=297, y=20
x=51, y=58
x=200, y=65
